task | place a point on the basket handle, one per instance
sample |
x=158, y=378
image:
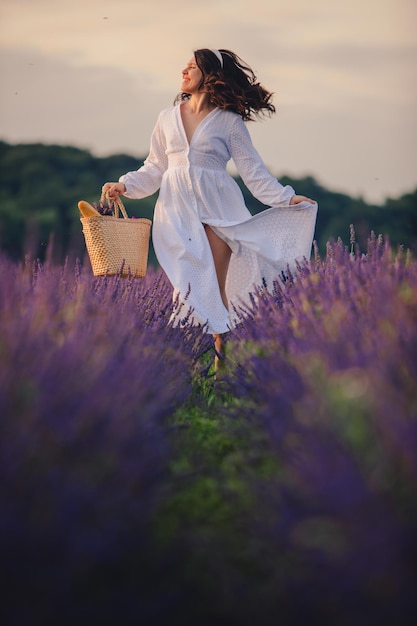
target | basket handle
x=117, y=205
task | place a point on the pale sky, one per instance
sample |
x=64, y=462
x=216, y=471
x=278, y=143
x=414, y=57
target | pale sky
x=96, y=73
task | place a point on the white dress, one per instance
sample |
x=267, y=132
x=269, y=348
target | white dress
x=195, y=189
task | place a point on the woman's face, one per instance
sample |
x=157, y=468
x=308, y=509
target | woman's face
x=191, y=77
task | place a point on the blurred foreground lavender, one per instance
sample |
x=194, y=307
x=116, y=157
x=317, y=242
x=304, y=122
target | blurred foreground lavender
x=135, y=492
x=89, y=373
x=327, y=369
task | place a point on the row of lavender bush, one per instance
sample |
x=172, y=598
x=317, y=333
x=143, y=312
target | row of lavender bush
x=319, y=394
x=89, y=374
x=326, y=367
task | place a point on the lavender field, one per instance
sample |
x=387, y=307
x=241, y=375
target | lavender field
x=137, y=489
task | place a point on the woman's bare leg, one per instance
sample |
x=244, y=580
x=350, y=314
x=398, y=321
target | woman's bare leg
x=221, y=257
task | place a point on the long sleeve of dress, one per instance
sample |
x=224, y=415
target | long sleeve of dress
x=147, y=179
x=252, y=169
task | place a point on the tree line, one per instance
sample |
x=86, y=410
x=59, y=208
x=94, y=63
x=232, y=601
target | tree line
x=40, y=186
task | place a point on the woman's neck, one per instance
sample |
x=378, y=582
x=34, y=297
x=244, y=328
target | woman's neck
x=199, y=103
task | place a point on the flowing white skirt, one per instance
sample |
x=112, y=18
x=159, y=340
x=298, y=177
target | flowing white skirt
x=263, y=246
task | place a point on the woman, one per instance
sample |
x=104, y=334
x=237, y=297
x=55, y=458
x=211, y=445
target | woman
x=211, y=248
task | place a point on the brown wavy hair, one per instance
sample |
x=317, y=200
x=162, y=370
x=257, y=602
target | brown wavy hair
x=233, y=87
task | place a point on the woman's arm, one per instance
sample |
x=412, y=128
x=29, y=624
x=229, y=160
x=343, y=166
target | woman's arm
x=254, y=173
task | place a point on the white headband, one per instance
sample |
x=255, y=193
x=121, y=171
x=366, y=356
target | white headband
x=218, y=55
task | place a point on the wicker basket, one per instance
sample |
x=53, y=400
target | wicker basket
x=115, y=245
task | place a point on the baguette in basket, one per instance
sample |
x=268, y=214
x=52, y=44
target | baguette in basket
x=115, y=245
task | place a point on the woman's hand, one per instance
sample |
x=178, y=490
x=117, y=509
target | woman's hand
x=298, y=199
x=113, y=190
